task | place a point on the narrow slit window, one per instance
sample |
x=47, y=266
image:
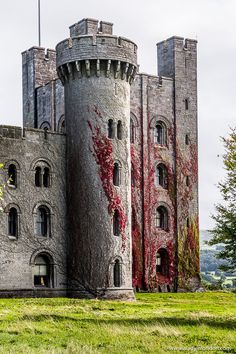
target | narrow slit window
x=38, y=177
x=187, y=181
x=116, y=174
x=187, y=139
x=116, y=223
x=186, y=104
x=12, y=222
x=117, y=274
x=46, y=177
x=119, y=130
x=110, y=129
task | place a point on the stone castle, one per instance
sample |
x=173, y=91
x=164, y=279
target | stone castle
x=101, y=185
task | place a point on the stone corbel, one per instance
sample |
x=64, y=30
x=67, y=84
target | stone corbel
x=87, y=67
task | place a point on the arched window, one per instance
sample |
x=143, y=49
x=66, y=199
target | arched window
x=161, y=176
x=162, y=218
x=43, y=221
x=132, y=131
x=160, y=133
x=38, y=176
x=119, y=130
x=46, y=177
x=13, y=222
x=42, y=271
x=110, y=129
x=116, y=174
x=42, y=174
x=45, y=125
x=162, y=262
x=117, y=274
x=12, y=176
x=116, y=223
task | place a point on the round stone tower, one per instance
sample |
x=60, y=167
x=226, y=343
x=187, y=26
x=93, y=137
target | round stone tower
x=97, y=69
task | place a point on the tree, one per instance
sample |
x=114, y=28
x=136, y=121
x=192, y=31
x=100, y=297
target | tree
x=224, y=231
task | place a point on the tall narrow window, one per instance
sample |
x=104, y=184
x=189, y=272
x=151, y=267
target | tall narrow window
x=12, y=222
x=187, y=139
x=162, y=262
x=116, y=174
x=42, y=271
x=187, y=181
x=187, y=223
x=162, y=218
x=186, y=102
x=12, y=176
x=110, y=129
x=161, y=176
x=117, y=274
x=46, y=177
x=132, y=131
x=160, y=133
x=43, y=221
x=119, y=130
x=38, y=177
x=116, y=223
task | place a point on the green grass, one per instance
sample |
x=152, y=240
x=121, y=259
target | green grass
x=155, y=323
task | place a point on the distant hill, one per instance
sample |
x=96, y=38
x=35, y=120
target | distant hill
x=205, y=235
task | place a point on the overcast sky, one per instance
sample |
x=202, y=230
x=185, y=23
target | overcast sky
x=211, y=22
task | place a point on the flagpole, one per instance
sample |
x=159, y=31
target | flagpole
x=39, y=23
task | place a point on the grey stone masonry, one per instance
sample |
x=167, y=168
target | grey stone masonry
x=100, y=189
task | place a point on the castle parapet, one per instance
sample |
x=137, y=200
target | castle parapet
x=91, y=26
x=96, y=50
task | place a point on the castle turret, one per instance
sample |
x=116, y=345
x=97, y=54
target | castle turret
x=97, y=69
x=178, y=59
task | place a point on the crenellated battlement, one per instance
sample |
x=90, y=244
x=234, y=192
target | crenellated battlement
x=40, y=53
x=91, y=26
x=14, y=132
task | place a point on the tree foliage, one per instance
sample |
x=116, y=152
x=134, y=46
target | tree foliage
x=224, y=231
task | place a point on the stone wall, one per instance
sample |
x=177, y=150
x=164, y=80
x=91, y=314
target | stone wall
x=27, y=149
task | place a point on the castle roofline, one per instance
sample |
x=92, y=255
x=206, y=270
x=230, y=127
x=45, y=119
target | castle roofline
x=177, y=38
x=42, y=49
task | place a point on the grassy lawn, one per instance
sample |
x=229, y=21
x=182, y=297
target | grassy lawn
x=155, y=323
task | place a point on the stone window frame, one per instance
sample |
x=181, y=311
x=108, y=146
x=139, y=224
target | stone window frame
x=161, y=253
x=158, y=185
x=6, y=211
x=133, y=134
x=44, y=252
x=51, y=215
x=120, y=169
x=154, y=121
x=18, y=169
x=111, y=272
x=165, y=206
x=42, y=163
